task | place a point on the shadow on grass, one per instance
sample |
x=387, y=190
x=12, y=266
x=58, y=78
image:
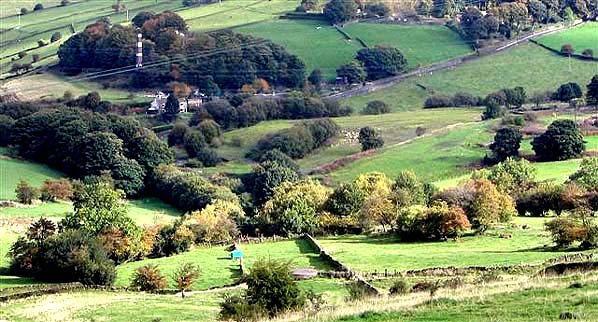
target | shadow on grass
x=312, y=256
x=12, y=281
x=363, y=239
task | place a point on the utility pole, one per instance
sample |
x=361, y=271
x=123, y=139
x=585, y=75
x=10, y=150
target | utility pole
x=139, y=54
x=127, y=14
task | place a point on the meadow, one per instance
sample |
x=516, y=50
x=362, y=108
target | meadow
x=527, y=65
x=323, y=47
x=14, y=170
x=216, y=267
x=581, y=37
x=526, y=246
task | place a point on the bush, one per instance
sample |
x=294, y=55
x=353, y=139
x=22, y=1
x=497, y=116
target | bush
x=561, y=141
x=381, y=61
x=148, y=278
x=236, y=308
x=73, y=256
x=271, y=286
x=346, y=200
x=513, y=177
x=26, y=193
x=488, y=206
x=24, y=11
x=216, y=222
x=185, y=276
x=211, y=132
x=173, y=239
x=438, y=101
x=53, y=190
x=567, y=49
x=267, y=176
x=370, y=139
x=177, y=134
x=38, y=7
x=357, y=291
x=465, y=99
x=399, y=287
x=276, y=156
x=588, y=53
x=506, y=144
x=566, y=231
x=376, y=107
x=567, y=92
x=22, y=54
x=24, y=251
x=587, y=174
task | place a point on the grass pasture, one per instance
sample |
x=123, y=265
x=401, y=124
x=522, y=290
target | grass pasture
x=218, y=269
x=12, y=171
x=321, y=46
x=362, y=253
x=581, y=37
x=527, y=65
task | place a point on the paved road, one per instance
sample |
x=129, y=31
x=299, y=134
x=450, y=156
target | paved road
x=390, y=81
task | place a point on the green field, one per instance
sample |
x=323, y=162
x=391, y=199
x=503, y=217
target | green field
x=420, y=44
x=444, y=155
x=580, y=37
x=529, y=305
x=394, y=128
x=321, y=46
x=367, y=254
x=527, y=65
x=13, y=171
x=218, y=269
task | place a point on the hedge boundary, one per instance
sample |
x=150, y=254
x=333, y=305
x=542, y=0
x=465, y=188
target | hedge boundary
x=558, y=52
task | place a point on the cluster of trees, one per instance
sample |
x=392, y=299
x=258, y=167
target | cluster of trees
x=461, y=99
x=239, y=111
x=198, y=142
x=82, y=143
x=210, y=62
x=299, y=140
x=506, y=18
x=50, y=191
x=373, y=63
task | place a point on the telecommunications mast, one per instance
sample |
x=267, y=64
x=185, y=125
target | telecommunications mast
x=139, y=54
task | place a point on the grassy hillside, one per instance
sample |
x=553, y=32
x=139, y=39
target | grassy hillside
x=218, y=269
x=13, y=171
x=526, y=246
x=581, y=38
x=420, y=44
x=527, y=65
x=321, y=46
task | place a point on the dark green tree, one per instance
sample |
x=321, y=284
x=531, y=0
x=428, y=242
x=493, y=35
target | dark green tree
x=381, y=61
x=276, y=156
x=493, y=110
x=340, y=11
x=370, y=139
x=172, y=108
x=128, y=176
x=194, y=143
x=567, y=92
x=506, y=144
x=563, y=140
x=592, y=93
x=142, y=17
x=97, y=152
x=346, y=200
x=6, y=125
x=352, y=72
x=177, y=134
x=267, y=176
x=315, y=78
x=149, y=151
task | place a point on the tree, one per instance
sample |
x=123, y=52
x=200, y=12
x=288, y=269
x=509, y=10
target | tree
x=211, y=132
x=295, y=206
x=346, y=200
x=141, y=17
x=6, y=125
x=370, y=139
x=172, y=108
x=148, y=278
x=352, y=72
x=513, y=177
x=53, y=190
x=506, y=144
x=271, y=285
x=315, y=78
x=98, y=151
x=537, y=10
x=376, y=107
x=309, y=5
x=26, y=193
x=149, y=151
x=408, y=190
x=340, y=11
x=24, y=11
x=177, y=134
x=217, y=222
x=377, y=10
x=381, y=61
x=267, y=176
x=567, y=49
x=561, y=141
x=185, y=276
x=489, y=205
x=567, y=92
x=588, y=52
x=493, y=110
x=587, y=175
x=194, y=143
x=38, y=7
x=128, y=176
x=97, y=206
x=592, y=93
x=276, y=156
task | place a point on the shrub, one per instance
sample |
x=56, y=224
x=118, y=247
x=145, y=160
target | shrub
x=435, y=101
x=119, y=246
x=370, y=139
x=194, y=143
x=441, y=222
x=38, y=7
x=41, y=43
x=377, y=10
x=465, y=99
x=24, y=251
x=177, y=134
x=148, y=278
x=340, y=11
x=561, y=141
x=506, y=144
x=216, y=222
x=236, y=308
x=173, y=239
x=399, y=287
x=22, y=54
x=588, y=53
x=24, y=11
x=352, y=72
x=271, y=286
x=566, y=231
x=567, y=92
x=567, y=49
x=276, y=156
x=376, y=107
x=26, y=193
x=587, y=174
x=73, y=256
x=211, y=132
x=381, y=61
x=185, y=276
x=357, y=291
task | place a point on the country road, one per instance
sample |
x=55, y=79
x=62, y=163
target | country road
x=452, y=63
